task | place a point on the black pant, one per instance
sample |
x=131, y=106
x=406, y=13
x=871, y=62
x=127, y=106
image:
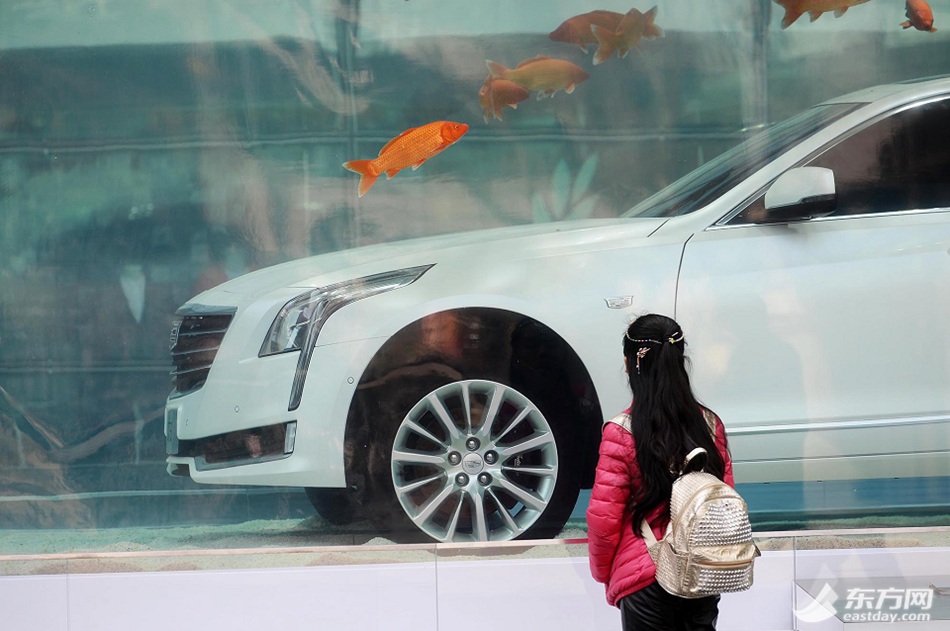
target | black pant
x=654, y=609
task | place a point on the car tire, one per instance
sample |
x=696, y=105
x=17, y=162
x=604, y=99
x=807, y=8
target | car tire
x=503, y=471
x=334, y=505
x=514, y=387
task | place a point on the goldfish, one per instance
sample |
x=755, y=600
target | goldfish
x=410, y=148
x=634, y=26
x=919, y=15
x=541, y=74
x=577, y=30
x=814, y=8
x=496, y=94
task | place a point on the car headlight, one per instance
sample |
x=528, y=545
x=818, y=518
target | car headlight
x=298, y=323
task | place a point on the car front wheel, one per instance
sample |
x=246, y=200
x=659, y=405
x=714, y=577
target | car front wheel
x=477, y=460
x=471, y=425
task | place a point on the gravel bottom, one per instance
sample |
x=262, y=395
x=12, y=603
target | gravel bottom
x=310, y=541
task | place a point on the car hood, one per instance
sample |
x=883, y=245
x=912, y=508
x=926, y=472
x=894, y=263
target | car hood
x=498, y=244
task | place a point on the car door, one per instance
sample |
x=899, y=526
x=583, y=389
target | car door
x=822, y=343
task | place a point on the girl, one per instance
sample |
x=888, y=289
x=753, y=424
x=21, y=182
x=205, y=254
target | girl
x=634, y=479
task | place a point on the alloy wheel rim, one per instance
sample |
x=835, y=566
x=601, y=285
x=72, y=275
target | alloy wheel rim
x=474, y=460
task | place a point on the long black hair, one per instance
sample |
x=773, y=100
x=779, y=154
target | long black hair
x=666, y=419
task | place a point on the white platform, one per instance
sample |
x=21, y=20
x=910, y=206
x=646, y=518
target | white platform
x=543, y=586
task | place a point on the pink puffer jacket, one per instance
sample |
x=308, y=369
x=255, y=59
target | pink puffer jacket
x=618, y=558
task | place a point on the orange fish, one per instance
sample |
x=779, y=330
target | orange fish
x=919, y=15
x=634, y=26
x=497, y=94
x=411, y=148
x=577, y=30
x=794, y=9
x=541, y=74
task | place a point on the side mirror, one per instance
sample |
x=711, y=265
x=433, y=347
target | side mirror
x=801, y=193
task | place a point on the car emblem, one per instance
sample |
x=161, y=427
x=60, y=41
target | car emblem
x=472, y=463
x=173, y=338
x=619, y=302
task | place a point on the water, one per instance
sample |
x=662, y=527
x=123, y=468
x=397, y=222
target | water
x=157, y=150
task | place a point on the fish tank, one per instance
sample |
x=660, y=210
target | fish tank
x=153, y=149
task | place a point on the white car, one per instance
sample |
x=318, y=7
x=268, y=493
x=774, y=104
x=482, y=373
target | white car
x=453, y=387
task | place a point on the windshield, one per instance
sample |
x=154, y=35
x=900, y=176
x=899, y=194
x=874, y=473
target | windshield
x=698, y=188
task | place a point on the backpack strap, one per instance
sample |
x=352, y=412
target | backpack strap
x=710, y=422
x=623, y=420
x=696, y=459
x=648, y=537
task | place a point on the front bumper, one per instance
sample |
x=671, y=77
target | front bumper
x=241, y=447
x=236, y=429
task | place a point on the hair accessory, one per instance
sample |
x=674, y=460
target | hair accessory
x=673, y=339
x=646, y=341
x=640, y=353
x=643, y=350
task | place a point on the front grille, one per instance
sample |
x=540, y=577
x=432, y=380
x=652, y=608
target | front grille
x=195, y=341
